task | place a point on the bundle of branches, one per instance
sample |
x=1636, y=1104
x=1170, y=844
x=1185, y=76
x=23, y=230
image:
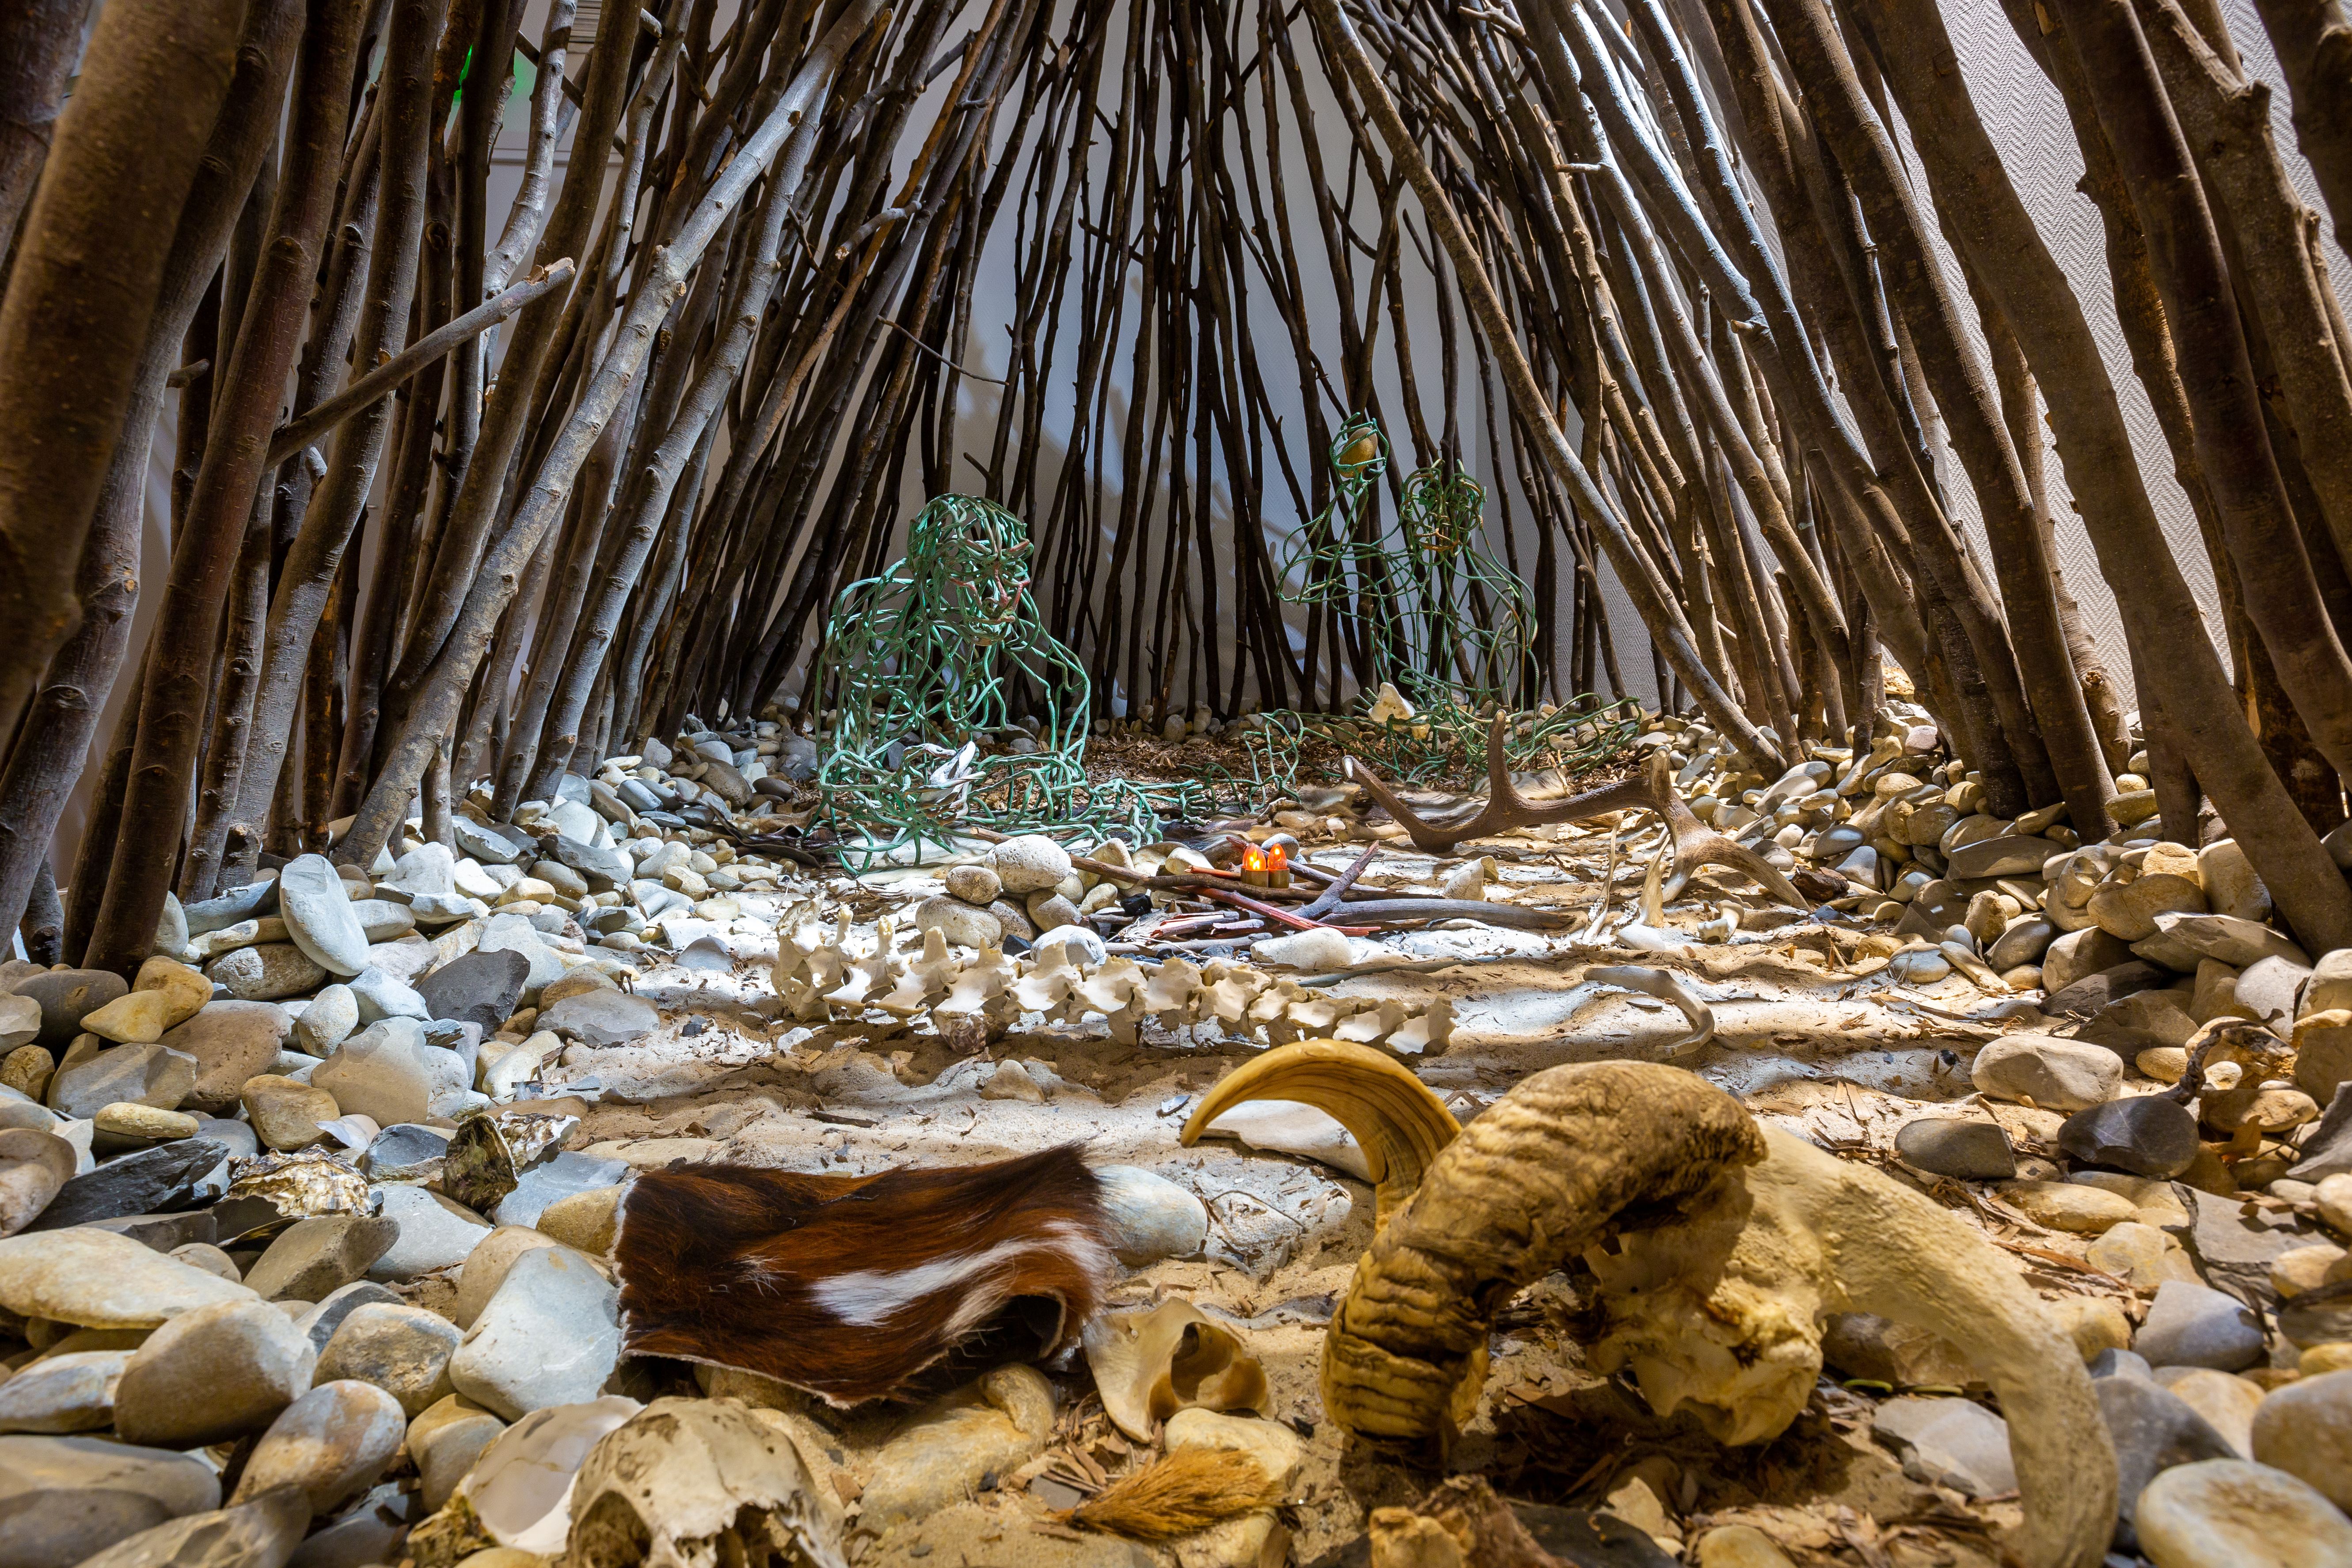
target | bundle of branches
x=1666, y=231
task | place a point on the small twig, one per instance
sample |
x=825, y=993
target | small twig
x=1337, y=889
x=295, y=433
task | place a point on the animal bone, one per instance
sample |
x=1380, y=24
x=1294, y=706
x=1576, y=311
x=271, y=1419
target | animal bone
x=817, y=980
x=691, y=1482
x=1666, y=987
x=1694, y=844
x=1051, y=981
x=1728, y=1246
x=1148, y=1365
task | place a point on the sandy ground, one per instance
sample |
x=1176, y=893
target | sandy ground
x=1808, y=1036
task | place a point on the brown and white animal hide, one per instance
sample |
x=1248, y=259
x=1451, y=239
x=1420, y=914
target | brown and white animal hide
x=851, y=1286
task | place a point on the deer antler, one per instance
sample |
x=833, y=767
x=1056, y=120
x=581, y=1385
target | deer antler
x=1695, y=844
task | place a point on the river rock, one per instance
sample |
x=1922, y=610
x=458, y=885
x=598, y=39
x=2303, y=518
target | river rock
x=135, y=1018
x=2022, y=941
x=185, y=990
x=1029, y=864
x=384, y=920
x=2196, y=1325
x=66, y=996
x=248, y=902
x=992, y=1427
x=1952, y=1146
x=426, y=869
x=20, y=1026
x=319, y=1255
x=2271, y=989
x=157, y=1075
x=960, y=923
x=2147, y=1136
x=2095, y=991
x=603, y=867
x=63, y=1393
x=2323, y=1052
x=327, y=1021
x=2013, y=856
x=486, y=1267
x=434, y=1234
x=2068, y=1206
x=128, y=1121
x=33, y=1166
x=2227, y=1402
x=2151, y=1430
x=2055, y=1074
x=2182, y=940
x=319, y=1322
x=1949, y=1442
x=403, y=1350
x=2305, y=1429
x=977, y=885
x=515, y=933
x=65, y=1499
x=264, y=1532
x=444, y=1440
x=586, y=1222
x=268, y=971
x=2327, y=1149
x=551, y=1181
x=2128, y=910
x=285, y=1113
x=405, y=1151
x=2229, y=883
x=99, y=1280
x=2140, y=1255
x=2144, y=1020
x=2080, y=954
x=319, y=916
x=333, y=1443
x=550, y=1335
x=231, y=1042
x=601, y=1018
x=1151, y=1217
x=387, y=1073
x=585, y=977
x=380, y=995
x=160, y=1179
x=482, y=988
x=2228, y=1513
x=27, y=1068
x=213, y=1375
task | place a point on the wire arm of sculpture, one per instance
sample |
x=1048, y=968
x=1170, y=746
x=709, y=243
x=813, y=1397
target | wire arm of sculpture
x=1695, y=843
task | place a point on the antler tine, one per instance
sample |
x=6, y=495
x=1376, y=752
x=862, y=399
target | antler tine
x=1429, y=840
x=1652, y=789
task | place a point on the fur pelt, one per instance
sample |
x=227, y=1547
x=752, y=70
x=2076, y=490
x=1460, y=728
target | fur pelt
x=853, y=1287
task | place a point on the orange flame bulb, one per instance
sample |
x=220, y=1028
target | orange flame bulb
x=1276, y=859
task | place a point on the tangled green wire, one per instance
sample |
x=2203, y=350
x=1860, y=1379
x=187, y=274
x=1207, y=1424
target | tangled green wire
x=1440, y=619
x=924, y=664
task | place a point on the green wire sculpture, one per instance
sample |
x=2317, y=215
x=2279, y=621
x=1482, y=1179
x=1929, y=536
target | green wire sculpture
x=1447, y=625
x=1441, y=620
x=922, y=663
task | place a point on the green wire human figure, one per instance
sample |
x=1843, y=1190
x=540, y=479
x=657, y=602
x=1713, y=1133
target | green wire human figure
x=923, y=663
x=1439, y=618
